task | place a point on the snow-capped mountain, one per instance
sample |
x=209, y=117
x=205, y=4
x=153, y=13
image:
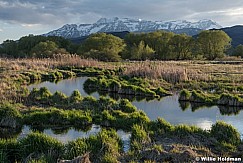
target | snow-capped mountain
x=126, y=24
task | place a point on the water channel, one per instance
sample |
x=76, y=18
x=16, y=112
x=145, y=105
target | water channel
x=168, y=108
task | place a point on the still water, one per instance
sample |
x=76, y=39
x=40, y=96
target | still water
x=168, y=107
x=65, y=134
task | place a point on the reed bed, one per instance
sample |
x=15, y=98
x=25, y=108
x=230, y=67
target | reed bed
x=180, y=71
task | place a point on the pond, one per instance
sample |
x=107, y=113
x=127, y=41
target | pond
x=168, y=108
x=68, y=134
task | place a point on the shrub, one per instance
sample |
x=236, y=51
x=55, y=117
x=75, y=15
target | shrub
x=40, y=144
x=75, y=97
x=106, y=103
x=138, y=137
x=184, y=95
x=162, y=92
x=58, y=75
x=126, y=106
x=149, y=93
x=76, y=148
x=9, y=150
x=162, y=126
x=67, y=74
x=59, y=98
x=43, y=95
x=9, y=116
x=58, y=117
x=105, y=146
x=91, y=82
x=185, y=130
x=225, y=133
x=114, y=86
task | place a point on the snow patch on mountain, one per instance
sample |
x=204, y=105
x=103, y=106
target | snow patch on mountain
x=132, y=25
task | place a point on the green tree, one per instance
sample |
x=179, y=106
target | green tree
x=10, y=48
x=45, y=49
x=141, y=52
x=213, y=43
x=158, y=41
x=238, y=51
x=181, y=46
x=101, y=46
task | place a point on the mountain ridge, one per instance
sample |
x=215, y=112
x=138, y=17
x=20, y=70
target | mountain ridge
x=132, y=25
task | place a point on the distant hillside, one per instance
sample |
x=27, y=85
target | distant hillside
x=83, y=38
x=236, y=33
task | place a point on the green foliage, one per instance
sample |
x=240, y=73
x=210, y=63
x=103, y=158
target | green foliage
x=59, y=98
x=32, y=76
x=185, y=130
x=44, y=49
x=40, y=144
x=8, y=110
x=126, y=106
x=120, y=86
x=157, y=41
x=101, y=46
x=181, y=46
x=43, y=95
x=75, y=97
x=67, y=74
x=10, y=116
x=58, y=117
x=161, y=126
x=230, y=100
x=162, y=92
x=9, y=150
x=76, y=148
x=105, y=146
x=225, y=133
x=139, y=137
x=28, y=45
x=141, y=52
x=238, y=51
x=198, y=96
x=184, y=95
x=213, y=43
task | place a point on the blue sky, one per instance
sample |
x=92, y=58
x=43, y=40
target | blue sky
x=22, y=17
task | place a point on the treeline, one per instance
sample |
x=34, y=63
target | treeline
x=158, y=45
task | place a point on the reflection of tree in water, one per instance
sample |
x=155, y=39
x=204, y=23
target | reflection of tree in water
x=139, y=98
x=184, y=105
x=197, y=106
x=37, y=128
x=89, y=91
x=10, y=132
x=117, y=96
x=224, y=110
x=83, y=128
x=60, y=130
x=229, y=110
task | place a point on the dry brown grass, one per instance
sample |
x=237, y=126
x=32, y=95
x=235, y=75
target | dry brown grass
x=47, y=63
x=179, y=71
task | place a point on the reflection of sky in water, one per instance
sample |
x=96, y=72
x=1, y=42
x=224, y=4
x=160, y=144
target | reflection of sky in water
x=66, y=86
x=73, y=134
x=167, y=108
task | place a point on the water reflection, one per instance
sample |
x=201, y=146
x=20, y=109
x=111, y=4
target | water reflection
x=168, y=108
x=66, y=134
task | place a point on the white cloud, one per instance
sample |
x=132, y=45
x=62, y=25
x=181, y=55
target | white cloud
x=1, y=30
